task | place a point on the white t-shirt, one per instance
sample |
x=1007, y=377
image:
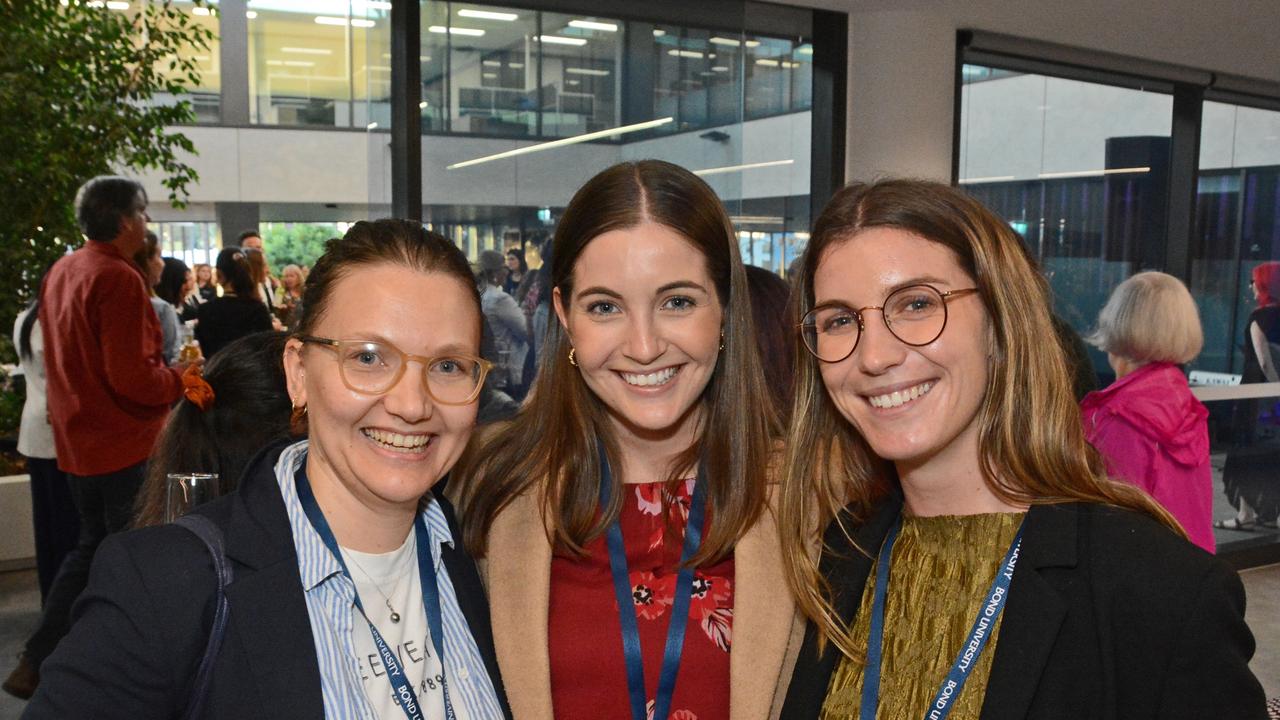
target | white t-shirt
x=393, y=576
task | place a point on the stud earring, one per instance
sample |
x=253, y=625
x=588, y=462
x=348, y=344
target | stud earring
x=721, y=338
x=572, y=361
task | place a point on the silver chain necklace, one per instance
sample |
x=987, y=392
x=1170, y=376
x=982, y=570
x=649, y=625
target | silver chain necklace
x=395, y=616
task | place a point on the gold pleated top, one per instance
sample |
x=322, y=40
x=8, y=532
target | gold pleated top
x=940, y=572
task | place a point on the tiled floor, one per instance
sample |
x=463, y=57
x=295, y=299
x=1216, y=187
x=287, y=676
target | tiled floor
x=19, y=601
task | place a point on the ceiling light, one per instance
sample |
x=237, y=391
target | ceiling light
x=371, y=126
x=251, y=14
x=586, y=71
x=440, y=30
x=488, y=15
x=117, y=5
x=423, y=105
x=719, y=68
x=593, y=25
x=572, y=82
x=801, y=235
x=202, y=11
x=659, y=33
x=805, y=50
x=757, y=219
x=992, y=178
x=356, y=22
x=557, y=40
x=564, y=141
x=1095, y=173
x=686, y=53
x=373, y=4
x=490, y=76
x=299, y=63
x=517, y=66
x=306, y=51
x=767, y=62
x=491, y=63
x=739, y=168
x=326, y=20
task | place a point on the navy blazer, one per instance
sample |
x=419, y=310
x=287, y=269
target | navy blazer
x=141, y=626
x=1110, y=615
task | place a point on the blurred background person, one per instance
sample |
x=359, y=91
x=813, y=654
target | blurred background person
x=175, y=287
x=504, y=319
x=238, y=312
x=517, y=268
x=1150, y=429
x=769, y=297
x=205, y=285
x=1251, y=475
x=151, y=264
x=290, y=292
x=53, y=513
x=246, y=409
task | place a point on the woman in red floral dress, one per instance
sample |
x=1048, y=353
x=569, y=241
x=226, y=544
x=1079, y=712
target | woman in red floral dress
x=633, y=563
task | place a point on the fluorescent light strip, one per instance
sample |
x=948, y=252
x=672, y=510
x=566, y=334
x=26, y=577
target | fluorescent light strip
x=488, y=15
x=805, y=50
x=748, y=166
x=440, y=30
x=491, y=63
x=373, y=4
x=326, y=20
x=757, y=219
x=593, y=25
x=992, y=178
x=586, y=71
x=659, y=33
x=686, y=53
x=306, y=51
x=117, y=5
x=251, y=14
x=355, y=22
x=557, y=40
x=731, y=42
x=1094, y=173
x=201, y=11
x=563, y=142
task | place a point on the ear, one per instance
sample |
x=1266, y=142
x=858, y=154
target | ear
x=557, y=301
x=295, y=375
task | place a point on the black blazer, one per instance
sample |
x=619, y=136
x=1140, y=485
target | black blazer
x=141, y=625
x=1110, y=616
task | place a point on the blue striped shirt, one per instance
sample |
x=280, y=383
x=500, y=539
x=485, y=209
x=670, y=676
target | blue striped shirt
x=330, y=596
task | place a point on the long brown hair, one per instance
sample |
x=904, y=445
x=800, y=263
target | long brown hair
x=1031, y=443
x=550, y=446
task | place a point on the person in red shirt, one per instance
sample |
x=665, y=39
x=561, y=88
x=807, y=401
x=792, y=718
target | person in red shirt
x=108, y=387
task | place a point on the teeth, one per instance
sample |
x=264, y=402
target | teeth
x=396, y=441
x=899, y=398
x=662, y=377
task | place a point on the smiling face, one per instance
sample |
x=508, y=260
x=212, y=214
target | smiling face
x=384, y=450
x=644, y=320
x=913, y=405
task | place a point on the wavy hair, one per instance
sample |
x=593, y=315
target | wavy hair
x=1032, y=448
x=559, y=460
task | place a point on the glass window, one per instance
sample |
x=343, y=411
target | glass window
x=205, y=97
x=191, y=242
x=325, y=64
x=493, y=69
x=581, y=64
x=1079, y=169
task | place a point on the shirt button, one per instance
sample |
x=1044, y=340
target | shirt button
x=463, y=674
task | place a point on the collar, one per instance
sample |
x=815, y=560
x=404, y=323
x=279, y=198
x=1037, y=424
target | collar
x=316, y=564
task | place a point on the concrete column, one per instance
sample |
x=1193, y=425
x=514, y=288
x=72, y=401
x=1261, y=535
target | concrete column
x=901, y=95
x=234, y=218
x=234, y=61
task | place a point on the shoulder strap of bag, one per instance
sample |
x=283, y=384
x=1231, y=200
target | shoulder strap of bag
x=211, y=535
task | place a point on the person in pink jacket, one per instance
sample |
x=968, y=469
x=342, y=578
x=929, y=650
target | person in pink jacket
x=1148, y=426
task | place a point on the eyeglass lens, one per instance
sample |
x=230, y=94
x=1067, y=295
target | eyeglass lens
x=915, y=315
x=374, y=368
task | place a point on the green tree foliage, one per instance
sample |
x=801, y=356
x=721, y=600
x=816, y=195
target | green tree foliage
x=77, y=82
x=296, y=243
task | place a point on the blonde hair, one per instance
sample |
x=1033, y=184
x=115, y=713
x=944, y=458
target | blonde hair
x=1150, y=317
x=1032, y=448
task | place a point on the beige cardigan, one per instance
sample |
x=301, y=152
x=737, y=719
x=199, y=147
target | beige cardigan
x=517, y=574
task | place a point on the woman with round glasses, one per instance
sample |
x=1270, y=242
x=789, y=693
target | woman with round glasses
x=351, y=594
x=632, y=561
x=952, y=538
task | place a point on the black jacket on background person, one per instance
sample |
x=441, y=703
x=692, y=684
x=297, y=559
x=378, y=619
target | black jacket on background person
x=1110, y=615
x=228, y=318
x=141, y=626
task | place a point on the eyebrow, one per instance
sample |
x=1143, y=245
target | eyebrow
x=917, y=280
x=676, y=285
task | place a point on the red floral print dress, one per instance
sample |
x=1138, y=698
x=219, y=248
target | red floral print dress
x=588, y=671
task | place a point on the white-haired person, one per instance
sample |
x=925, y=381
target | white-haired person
x=1150, y=429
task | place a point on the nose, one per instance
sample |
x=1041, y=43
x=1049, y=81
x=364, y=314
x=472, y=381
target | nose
x=644, y=345
x=408, y=399
x=878, y=349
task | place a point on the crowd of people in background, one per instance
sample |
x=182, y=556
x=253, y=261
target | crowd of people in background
x=666, y=434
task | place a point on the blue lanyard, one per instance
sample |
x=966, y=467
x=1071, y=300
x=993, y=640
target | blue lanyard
x=627, y=608
x=404, y=695
x=983, y=626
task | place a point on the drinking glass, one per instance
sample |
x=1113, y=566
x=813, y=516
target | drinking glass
x=184, y=491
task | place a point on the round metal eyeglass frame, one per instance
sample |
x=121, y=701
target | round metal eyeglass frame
x=809, y=327
x=426, y=362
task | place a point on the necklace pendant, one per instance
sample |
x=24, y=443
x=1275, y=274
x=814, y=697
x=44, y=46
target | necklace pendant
x=395, y=616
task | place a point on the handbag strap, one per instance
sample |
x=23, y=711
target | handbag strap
x=211, y=535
